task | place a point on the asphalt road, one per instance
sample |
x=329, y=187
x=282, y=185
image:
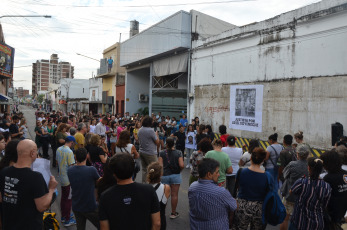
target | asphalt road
x=182, y=222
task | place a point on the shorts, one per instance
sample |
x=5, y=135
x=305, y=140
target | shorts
x=171, y=179
x=288, y=205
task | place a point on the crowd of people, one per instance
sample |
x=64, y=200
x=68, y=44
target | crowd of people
x=227, y=184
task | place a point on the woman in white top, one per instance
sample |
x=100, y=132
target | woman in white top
x=154, y=174
x=23, y=128
x=113, y=136
x=92, y=126
x=235, y=155
x=124, y=146
x=245, y=160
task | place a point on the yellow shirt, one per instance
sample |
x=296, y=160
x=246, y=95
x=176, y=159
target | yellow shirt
x=79, y=139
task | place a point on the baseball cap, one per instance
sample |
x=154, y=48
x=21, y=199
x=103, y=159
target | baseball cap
x=70, y=138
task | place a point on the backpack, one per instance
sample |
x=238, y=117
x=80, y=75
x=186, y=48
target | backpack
x=277, y=156
x=273, y=210
x=49, y=221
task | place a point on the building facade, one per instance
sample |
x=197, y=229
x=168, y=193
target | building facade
x=5, y=83
x=157, y=62
x=73, y=94
x=95, y=95
x=112, y=82
x=47, y=72
x=298, y=57
x=20, y=92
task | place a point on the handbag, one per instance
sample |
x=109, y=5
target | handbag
x=137, y=162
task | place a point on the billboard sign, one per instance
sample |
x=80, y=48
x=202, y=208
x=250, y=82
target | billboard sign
x=6, y=60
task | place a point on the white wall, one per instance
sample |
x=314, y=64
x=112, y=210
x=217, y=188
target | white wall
x=136, y=82
x=301, y=63
x=95, y=84
x=171, y=33
x=76, y=88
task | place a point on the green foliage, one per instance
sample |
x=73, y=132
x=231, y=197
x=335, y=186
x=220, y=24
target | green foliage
x=40, y=98
x=143, y=111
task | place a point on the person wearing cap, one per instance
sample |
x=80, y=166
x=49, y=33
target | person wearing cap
x=292, y=172
x=65, y=158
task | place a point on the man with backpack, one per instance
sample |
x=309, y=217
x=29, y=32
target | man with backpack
x=287, y=155
x=273, y=153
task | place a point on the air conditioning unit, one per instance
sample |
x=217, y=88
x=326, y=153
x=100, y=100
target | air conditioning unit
x=143, y=97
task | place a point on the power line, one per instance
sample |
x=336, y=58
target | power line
x=141, y=6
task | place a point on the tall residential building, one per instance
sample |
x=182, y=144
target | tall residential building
x=46, y=72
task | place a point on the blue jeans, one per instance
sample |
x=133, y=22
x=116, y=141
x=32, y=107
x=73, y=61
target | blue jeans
x=274, y=174
x=171, y=179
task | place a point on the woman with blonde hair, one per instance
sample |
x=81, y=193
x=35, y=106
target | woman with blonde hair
x=154, y=174
x=96, y=154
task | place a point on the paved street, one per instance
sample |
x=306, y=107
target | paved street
x=183, y=207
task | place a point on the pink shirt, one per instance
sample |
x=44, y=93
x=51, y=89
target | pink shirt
x=119, y=130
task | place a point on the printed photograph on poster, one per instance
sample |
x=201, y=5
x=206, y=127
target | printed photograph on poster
x=246, y=105
x=6, y=60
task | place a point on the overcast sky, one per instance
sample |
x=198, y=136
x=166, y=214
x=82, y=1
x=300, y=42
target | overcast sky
x=89, y=26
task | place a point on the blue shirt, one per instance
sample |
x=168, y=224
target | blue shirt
x=110, y=61
x=209, y=205
x=82, y=181
x=184, y=122
x=253, y=186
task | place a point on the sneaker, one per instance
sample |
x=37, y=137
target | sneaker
x=188, y=166
x=72, y=216
x=174, y=215
x=70, y=222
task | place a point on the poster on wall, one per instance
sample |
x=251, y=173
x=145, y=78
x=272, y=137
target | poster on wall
x=246, y=106
x=6, y=60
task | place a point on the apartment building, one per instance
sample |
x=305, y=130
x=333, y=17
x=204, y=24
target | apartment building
x=46, y=72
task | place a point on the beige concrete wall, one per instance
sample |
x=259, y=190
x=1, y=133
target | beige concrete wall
x=309, y=104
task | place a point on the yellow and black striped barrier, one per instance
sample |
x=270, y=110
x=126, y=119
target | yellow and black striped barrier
x=244, y=143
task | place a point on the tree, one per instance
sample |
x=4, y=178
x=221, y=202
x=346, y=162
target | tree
x=143, y=111
x=40, y=98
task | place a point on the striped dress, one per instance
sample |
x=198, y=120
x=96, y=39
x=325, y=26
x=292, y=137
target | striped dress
x=313, y=198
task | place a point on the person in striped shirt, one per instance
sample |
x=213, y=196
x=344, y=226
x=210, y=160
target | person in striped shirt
x=209, y=204
x=313, y=198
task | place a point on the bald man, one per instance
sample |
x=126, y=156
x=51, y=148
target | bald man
x=24, y=194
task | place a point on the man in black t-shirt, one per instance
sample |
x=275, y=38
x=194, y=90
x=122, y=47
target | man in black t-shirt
x=180, y=136
x=24, y=194
x=14, y=129
x=128, y=205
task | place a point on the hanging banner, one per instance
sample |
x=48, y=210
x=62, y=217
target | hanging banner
x=6, y=60
x=246, y=107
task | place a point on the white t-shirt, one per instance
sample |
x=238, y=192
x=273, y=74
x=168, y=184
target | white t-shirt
x=190, y=140
x=160, y=193
x=25, y=131
x=124, y=150
x=235, y=155
x=246, y=158
x=92, y=128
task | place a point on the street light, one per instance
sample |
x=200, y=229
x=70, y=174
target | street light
x=26, y=16
x=88, y=57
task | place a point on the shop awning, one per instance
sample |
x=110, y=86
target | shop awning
x=171, y=65
x=5, y=100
